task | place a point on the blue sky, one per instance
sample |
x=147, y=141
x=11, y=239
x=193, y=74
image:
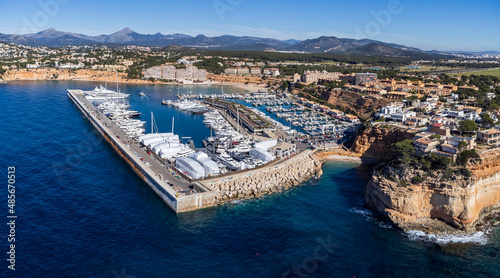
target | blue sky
x=442, y=25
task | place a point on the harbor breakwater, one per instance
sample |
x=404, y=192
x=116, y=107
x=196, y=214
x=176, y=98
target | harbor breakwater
x=270, y=179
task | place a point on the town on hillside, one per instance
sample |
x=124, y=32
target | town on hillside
x=449, y=112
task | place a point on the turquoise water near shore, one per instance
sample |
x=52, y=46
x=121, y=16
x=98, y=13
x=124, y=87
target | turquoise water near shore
x=82, y=212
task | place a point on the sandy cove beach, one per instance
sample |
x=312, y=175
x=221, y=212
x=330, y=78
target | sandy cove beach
x=251, y=87
x=339, y=154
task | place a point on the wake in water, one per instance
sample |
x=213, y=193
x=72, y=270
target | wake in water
x=477, y=238
x=370, y=217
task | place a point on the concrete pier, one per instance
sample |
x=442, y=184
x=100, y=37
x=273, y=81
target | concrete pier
x=178, y=196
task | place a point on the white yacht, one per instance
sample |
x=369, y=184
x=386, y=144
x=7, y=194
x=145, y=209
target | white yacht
x=242, y=148
x=101, y=94
x=227, y=160
x=184, y=152
x=187, y=104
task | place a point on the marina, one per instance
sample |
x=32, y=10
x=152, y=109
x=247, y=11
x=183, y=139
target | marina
x=187, y=177
x=296, y=116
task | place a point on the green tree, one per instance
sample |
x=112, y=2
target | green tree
x=486, y=120
x=413, y=98
x=439, y=162
x=462, y=145
x=464, y=156
x=493, y=106
x=404, y=148
x=417, y=179
x=134, y=72
x=285, y=84
x=436, y=136
x=299, y=86
x=467, y=126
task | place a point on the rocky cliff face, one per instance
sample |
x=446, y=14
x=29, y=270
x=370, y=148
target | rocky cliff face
x=363, y=106
x=375, y=143
x=459, y=205
x=66, y=74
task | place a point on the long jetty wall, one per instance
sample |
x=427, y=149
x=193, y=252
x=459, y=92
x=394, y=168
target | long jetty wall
x=167, y=194
x=273, y=178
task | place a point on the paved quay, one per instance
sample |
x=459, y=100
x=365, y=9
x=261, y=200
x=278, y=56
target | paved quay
x=153, y=171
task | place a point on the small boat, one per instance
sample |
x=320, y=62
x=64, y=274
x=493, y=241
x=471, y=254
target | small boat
x=142, y=94
x=134, y=114
x=199, y=111
x=166, y=102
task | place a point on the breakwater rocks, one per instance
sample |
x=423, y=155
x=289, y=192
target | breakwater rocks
x=269, y=179
x=435, y=206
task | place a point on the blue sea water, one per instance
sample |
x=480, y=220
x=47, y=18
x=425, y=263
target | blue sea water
x=82, y=212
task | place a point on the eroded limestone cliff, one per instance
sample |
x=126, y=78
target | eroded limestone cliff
x=437, y=206
x=375, y=143
x=67, y=74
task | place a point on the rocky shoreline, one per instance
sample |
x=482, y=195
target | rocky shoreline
x=53, y=74
x=456, y=206
x=437, y=205
x=433, y=208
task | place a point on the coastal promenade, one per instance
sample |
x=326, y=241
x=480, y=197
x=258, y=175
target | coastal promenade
x=176, y=193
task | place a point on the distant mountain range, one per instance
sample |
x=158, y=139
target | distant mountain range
x=54, y=38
